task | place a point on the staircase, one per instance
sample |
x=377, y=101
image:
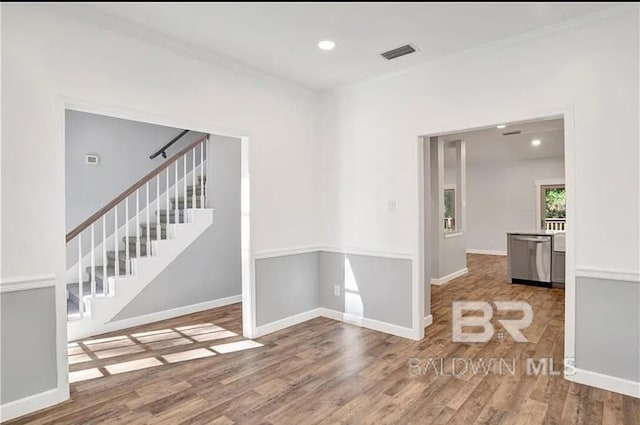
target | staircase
x=112, y=271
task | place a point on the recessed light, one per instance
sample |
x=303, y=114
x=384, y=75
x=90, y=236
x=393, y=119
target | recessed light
x=326, y=45
x=535, y=142
x=501, y=126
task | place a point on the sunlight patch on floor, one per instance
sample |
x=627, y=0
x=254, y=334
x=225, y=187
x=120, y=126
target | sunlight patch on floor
x=198, y=353
x=149, y=342
x=235, y=346
x=133, y=365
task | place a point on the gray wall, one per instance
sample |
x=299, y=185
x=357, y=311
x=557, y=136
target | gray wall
x=608, y=327
x=28, y=343
x=501, y=197
x=286, y=286
x=211, y=267
x=292, y=284
x=382, y=285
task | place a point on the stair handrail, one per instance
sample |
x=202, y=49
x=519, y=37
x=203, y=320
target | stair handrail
x=109, y=206
x=162, y=150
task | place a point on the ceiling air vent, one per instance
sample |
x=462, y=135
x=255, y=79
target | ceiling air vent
x=512, y=133
x=400, y=51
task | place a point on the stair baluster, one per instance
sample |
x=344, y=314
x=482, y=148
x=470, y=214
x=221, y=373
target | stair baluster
x=184, y=181
x=137, y=223
x=80, y=275
x=202, y=173
x=93, y=262
x=115, y=238
x=148, y=237
x=126, y=237
x=158, y=225
x=176, y=205
x=168, y=216
x=193, y=176
x=105, y=278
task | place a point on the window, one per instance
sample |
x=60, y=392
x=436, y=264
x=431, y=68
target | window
x=450, y=209
x=553, y=207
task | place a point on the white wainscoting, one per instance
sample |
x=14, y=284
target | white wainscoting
x=344, y=250
x=608, y=274
x=25, y=283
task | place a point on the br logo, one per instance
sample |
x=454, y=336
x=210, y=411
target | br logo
x=512, y=326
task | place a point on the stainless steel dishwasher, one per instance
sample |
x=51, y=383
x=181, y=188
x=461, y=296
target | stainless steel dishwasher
x=529, y=258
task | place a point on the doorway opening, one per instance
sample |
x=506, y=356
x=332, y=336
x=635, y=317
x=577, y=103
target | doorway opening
x=169, y=192
x=481, y=184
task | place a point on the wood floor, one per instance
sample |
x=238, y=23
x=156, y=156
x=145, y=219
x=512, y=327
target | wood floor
x=327, y=372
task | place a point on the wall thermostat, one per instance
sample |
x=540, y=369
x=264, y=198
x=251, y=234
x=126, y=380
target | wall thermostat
x=92, y=159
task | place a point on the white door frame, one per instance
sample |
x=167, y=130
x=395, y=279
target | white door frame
x=421, y=280
x=247, y=218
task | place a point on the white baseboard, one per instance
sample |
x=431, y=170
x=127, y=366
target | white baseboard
x=606, y=382
x=364, y=322
x=86, y=328
x=375, y=325
x=287, y=322
x=427, y=321
x=379, y=326
x=14, y=409
x=486, y=252
x=332, y=314
x=447, y=278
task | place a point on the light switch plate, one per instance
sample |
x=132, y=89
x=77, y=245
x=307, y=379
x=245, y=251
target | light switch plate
x=336, y=290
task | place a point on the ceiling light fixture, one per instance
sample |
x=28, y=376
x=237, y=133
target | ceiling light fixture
x=326, y=45
x=501, y=126
x=535, y=142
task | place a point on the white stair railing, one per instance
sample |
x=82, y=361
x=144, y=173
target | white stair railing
x=109, y=213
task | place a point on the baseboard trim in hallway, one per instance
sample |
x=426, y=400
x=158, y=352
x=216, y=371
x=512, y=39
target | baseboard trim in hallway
x=606, y=382
x=84, y=329
x=449, y=277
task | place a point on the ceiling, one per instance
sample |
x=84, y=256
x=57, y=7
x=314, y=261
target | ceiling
x=489, y=145
x=281, y=38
